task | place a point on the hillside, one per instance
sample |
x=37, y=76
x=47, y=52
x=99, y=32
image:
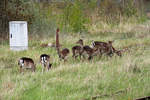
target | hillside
x=116, y=78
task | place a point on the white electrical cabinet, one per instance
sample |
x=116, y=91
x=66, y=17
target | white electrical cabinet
x=18, y=34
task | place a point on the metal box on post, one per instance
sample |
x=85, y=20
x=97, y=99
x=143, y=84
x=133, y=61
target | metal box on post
x=18, y=34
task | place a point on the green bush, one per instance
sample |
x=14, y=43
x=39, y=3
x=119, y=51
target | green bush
x=74, y=18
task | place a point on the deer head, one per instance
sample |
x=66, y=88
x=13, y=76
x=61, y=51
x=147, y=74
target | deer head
x=80, y=42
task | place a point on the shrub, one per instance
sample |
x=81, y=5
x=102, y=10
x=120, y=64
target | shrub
x=73, y=17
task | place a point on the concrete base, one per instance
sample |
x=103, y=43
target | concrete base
x=18, y=48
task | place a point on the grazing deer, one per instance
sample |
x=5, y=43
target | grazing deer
x=77, y=50
x=45, y=61
x=61, y=53
x=26, y=63
x=81, y=50
x=105, y=48
x=90, y=51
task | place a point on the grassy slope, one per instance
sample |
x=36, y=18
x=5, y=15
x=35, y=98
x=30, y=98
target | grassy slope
x=80, y=80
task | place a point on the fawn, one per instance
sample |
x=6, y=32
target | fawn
x=26, y=63
x=61, y=53
x=78, y=49
x=45, y=61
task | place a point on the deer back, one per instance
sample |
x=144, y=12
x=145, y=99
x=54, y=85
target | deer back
x=25, y=62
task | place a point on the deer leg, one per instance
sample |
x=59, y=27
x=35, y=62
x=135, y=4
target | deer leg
x=80, y=54
x=83, y=56
x=20, y=69
x=33, y=68
x=110, y=54
x=65, y=58
x=76, y=56
x=48, y=66
x=43, y=67
x=90, y=57
x=73, y=55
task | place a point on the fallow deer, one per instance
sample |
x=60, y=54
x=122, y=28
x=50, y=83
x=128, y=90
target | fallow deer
x=45, y=61
x=105, y=48
x=61, y=53
x=78, y=49
x=26, y=63
x=84, y=50
x=90, y=51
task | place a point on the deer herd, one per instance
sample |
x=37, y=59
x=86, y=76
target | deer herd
x=80, y=50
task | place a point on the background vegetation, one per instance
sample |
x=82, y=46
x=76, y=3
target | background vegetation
x=116, y=78
x=72, y=16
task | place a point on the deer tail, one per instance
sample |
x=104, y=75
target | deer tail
x=57, y=42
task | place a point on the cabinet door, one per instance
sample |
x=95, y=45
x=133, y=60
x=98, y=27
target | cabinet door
x=13, y=35
x=22, y=39
x=18, y=34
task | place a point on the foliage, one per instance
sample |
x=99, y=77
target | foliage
x=115, y=78
x=73, y=17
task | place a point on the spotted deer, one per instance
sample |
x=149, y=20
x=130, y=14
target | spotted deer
x=78, y=49
x=106, y=48
x=26, y=63
x=83, y=50
x=90, y=51
x=63, y=54
x=45, y=61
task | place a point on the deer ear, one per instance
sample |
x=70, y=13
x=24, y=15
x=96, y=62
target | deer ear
x=93, y=43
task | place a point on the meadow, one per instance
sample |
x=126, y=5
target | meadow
x=105, y=78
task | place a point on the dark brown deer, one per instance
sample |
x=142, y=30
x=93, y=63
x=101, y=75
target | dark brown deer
x=78, y=49
x=61, y=53
x=82, y=50
x=26, y=63
x=90, y=51
x=106, y=48
x=45, y=61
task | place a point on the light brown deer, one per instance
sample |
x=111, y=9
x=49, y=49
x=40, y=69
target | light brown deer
x=26, y=63
x=63, y=54
x=45, y=61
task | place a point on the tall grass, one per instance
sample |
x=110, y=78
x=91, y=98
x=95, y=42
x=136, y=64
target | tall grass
x=105, y=78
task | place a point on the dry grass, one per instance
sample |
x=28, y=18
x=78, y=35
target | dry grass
x=80, y=80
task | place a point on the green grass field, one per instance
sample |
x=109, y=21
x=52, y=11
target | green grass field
x=116, y=78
